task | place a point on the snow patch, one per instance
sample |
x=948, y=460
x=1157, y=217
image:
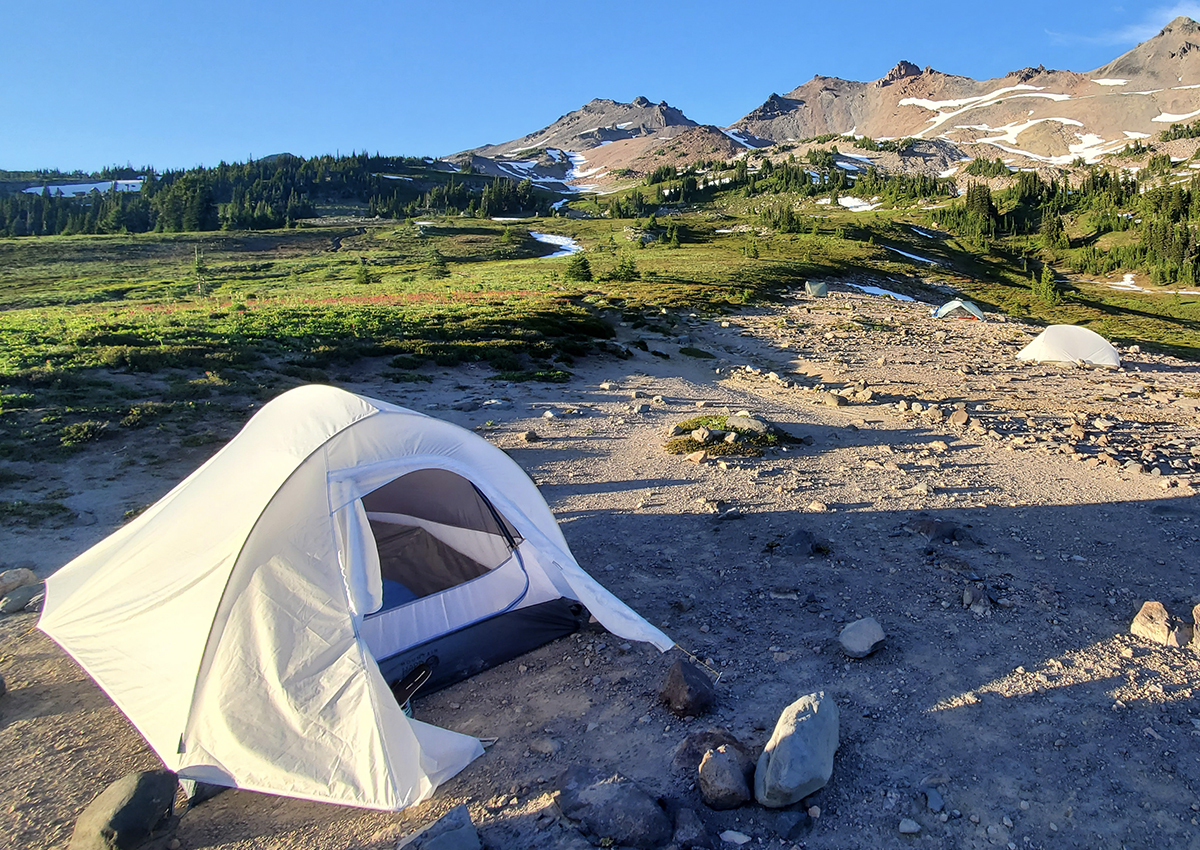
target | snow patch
x=1110, y=82
x=738, y=137
x=914, y=257
x=876, y=290
x=566, y=245
x=1172, y=118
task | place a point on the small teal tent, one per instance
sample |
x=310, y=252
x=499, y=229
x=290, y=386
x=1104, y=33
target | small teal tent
x=957, y=309
x=816, y=288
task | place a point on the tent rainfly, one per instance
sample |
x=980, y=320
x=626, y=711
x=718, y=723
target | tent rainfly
x=249, y=623
x=816, y=288
x=957, y=309
x=1071, y=344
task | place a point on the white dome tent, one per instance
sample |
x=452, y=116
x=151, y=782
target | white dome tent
x=1071, y=344
x=242, y=622
x=958, y=309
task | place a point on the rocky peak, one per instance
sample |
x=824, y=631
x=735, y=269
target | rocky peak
x=903, y=69
x=640, y=101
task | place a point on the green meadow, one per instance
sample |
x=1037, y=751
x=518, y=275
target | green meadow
x=102, y=334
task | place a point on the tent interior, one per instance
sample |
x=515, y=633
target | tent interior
x=449, y=563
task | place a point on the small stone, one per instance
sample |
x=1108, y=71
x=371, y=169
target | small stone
x=908, y=826
x=690, y=831
x=452, y=831
x=814, y=812
x=174, y=844
x=530, y=437
x=862, y=637
x=549, y=414
x=1152, y=623
x=703, y=435
x=640, y=407
x=731, y=836
x=933, y=800
x=722, y=780
x=465, y=405
x=688, y=690
x=608, y=386
x=959, y=418
x=696, y=457
x=817, y=506
x=832, y=399
x=791, y=826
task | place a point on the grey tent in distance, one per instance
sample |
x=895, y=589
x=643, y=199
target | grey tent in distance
x=958, y=309
x=816, y=288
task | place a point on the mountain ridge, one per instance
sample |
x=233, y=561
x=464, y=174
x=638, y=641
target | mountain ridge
x=1032, y=116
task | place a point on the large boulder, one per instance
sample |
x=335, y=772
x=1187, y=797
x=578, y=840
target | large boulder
x=722, y=779
x=688, y=692
x=611, y=807
x=12, y=579
x=126, y=812
x=798, y=760
x=452, y=831
x=17, y=598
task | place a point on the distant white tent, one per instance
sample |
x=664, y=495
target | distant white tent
x=1071, y=344
x=250, y=622
x=957, y=309
x=816, y=288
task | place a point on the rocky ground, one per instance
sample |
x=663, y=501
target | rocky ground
x=1003, y=522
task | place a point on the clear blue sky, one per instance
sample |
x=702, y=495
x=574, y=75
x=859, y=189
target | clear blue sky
x=90, y=83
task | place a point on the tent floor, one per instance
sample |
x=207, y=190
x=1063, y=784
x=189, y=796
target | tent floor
x=483, y=645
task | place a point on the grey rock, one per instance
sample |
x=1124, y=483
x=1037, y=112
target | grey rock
x=1152, y=623
x=35, y=604
x=798, y=759
x=832, y=399
x=690, y=831
x=465, y=405
x=497, y=404
x=12, y=579
x=802, y=543
x=531, y=437
x=749, y=424
x=1196, y=628
x=452, y=831
x=610, y=806
x=792, y=826
x=721, y=779
x=908, y=826
x=3, y=687
x=126, y=812
x=862, y=637
x=959, y=418
x=692, y=748
x=688, y=691
x=16, y=600
x=703, y=435
x=933, y=800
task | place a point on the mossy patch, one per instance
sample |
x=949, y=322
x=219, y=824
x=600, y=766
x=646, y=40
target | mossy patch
x=749, y=444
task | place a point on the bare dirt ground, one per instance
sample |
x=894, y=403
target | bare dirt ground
x=1043, y=722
